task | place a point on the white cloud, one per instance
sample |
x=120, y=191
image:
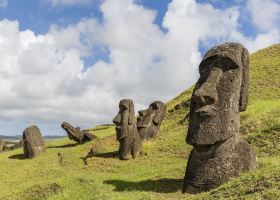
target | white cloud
x=3, y=3
x=68, y=2
x=43, y=78
x=265, y=14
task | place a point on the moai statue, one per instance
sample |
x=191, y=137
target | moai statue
x=149, y=120
x=1, y=145
x=17, y=145
x=33, y=143
x=126, y=130
x=77, y=134
x=219, y=96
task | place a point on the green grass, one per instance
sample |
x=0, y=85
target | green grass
x=158, y=173
x=102, y=131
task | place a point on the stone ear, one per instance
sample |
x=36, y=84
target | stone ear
x=131, y=112
x=244, y=90
x=160, y=115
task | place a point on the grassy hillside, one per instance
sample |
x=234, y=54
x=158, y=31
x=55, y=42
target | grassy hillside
x=158, y=173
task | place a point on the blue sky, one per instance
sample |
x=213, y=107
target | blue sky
x=74, y=60
x=39, y=15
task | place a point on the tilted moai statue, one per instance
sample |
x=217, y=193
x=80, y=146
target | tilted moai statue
x=126, y=130
x=77, y=134
x=219, y=96
x=33, y=143
x=149, y=120
x=2, y=145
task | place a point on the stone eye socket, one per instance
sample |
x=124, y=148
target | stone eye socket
x=123, y=108
x=141, y=113
x=154, y=106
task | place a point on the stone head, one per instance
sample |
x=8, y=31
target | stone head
x=33, y=143
x=149, y=120
x=125, y=118
x=220, y=94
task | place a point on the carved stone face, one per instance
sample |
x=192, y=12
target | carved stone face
x=126, y=129
x=219, y=95
x=124, y=119
x=149, y=120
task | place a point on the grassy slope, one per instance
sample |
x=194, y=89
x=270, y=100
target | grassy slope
x=157, y=174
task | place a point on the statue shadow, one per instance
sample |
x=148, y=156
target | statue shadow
x=165, y=185
x=17, y=157
x=112, y=154
x=65, y=146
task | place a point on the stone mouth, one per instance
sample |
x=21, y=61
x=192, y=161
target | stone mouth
x=206, y=111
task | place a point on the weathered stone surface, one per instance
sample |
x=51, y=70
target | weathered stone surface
x=219, y=96
x=33, y=143
x=149, y=120
x=77, y=134
x=1, y=145
x=126, y=130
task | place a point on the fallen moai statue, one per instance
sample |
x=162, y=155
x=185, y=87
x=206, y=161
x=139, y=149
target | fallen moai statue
x=17, y=145
x=77, y=134
x=10, y=145
x=149, y=120
x=126, y=130
x=2, y=144
x=219, y=96
x=33, y=143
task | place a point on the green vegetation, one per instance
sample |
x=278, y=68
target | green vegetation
x=158, y=173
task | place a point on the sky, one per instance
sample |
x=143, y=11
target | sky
x=74, y=60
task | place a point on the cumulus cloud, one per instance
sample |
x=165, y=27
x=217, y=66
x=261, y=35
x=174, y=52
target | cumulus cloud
x=44, y=80
x=265, y=14
x=3, y=3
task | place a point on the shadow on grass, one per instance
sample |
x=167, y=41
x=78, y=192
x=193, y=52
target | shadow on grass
x=112, y=154
x=65, y=146
x=17, y=156
x=164, y=185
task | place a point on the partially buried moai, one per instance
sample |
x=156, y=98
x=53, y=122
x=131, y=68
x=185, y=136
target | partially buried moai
x=219, y=96
x=33, y=143
x=126, y=130
x=149, y=120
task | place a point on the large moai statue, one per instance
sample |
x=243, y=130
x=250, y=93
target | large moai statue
x=149, y=120
x=2, y=145
x=33, y=143
x=219, y=96
x=126, y=130
x=77, y=134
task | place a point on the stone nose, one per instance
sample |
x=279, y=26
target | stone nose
x=142, y=112
x=205, y=95
x=117, y=119
x=206, y=92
